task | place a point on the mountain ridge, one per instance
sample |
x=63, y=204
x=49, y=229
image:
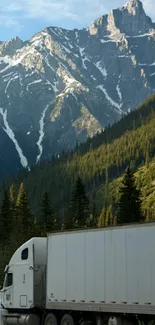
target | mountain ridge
x=62, y=86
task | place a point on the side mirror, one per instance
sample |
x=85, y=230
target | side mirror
x=6, y=268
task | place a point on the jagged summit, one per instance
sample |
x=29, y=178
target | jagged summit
x=10, y=47
x=134, y=4
x=135, y=8
x=130, y=19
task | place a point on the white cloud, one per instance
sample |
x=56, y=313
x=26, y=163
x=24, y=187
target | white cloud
x=9, y=22
x=78, y=10
x=55, y=11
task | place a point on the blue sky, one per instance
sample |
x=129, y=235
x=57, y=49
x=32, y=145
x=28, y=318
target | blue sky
x=23, y=18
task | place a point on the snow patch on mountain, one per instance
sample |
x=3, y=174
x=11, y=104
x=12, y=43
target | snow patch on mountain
x=118, y=90
x=93, y=77
x=54, y=85
x=11, y=135
x=113, y=103
x=33, y=82
x=17, y=59
x=109, y=41
x=13, y=78
x=66, y=49
x=48, y=64
x=41, y=134
x=102, y=70
x=83, y=57
x=141, y=35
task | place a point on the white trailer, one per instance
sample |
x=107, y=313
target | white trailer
x=103, y=275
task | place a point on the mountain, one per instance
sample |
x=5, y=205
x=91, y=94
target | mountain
x=100, y=162
x=63, y=86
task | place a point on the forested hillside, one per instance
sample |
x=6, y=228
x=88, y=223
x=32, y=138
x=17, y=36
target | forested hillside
x=86, y=180
x=129, y=142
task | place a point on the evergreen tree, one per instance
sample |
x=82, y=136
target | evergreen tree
x=57, y=223
x=106, y=217
x=109, y=216
x=129, y=206
x=101, y=219
x=79, y=205
x=12, y=194
x=5, y=218
x=92, y=221
x=68, y=218
x=106, y=174
x=24, y=219
x=46, y=221
x=12, y=203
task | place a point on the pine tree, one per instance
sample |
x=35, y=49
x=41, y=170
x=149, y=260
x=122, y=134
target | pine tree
x=92, y=221
x=5, y=218
x=115, y=221
x=24, y=219
x=79, y=205
x=12, y=194
x=110, y=217
x=12, y=203
x=129, y=206
x=57, y=222
x=46, y=221
x=68, y=218
x=106, y=217
x=101, y=219
x=106, y=174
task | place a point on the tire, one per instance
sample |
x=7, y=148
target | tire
x=50, y=320
x=67, y=319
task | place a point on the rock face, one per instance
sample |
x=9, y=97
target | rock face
x=62, y=86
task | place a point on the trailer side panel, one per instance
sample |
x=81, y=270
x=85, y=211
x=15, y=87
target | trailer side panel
x=110, y=267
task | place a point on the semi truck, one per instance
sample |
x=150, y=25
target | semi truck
x=103, y=276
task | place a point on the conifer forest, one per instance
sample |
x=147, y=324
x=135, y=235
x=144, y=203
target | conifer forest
x=107, y=181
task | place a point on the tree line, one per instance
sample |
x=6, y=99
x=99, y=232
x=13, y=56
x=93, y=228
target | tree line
x=18, y=224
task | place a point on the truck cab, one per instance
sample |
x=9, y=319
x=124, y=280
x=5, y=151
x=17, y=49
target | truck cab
x=24, y=282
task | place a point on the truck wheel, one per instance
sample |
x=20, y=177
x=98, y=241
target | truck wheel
x=67, y=320
x=50, y=320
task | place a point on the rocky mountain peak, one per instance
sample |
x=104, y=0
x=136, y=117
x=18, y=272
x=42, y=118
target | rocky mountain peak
x=130, y=19
x=134, y=5
x=10, y=47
